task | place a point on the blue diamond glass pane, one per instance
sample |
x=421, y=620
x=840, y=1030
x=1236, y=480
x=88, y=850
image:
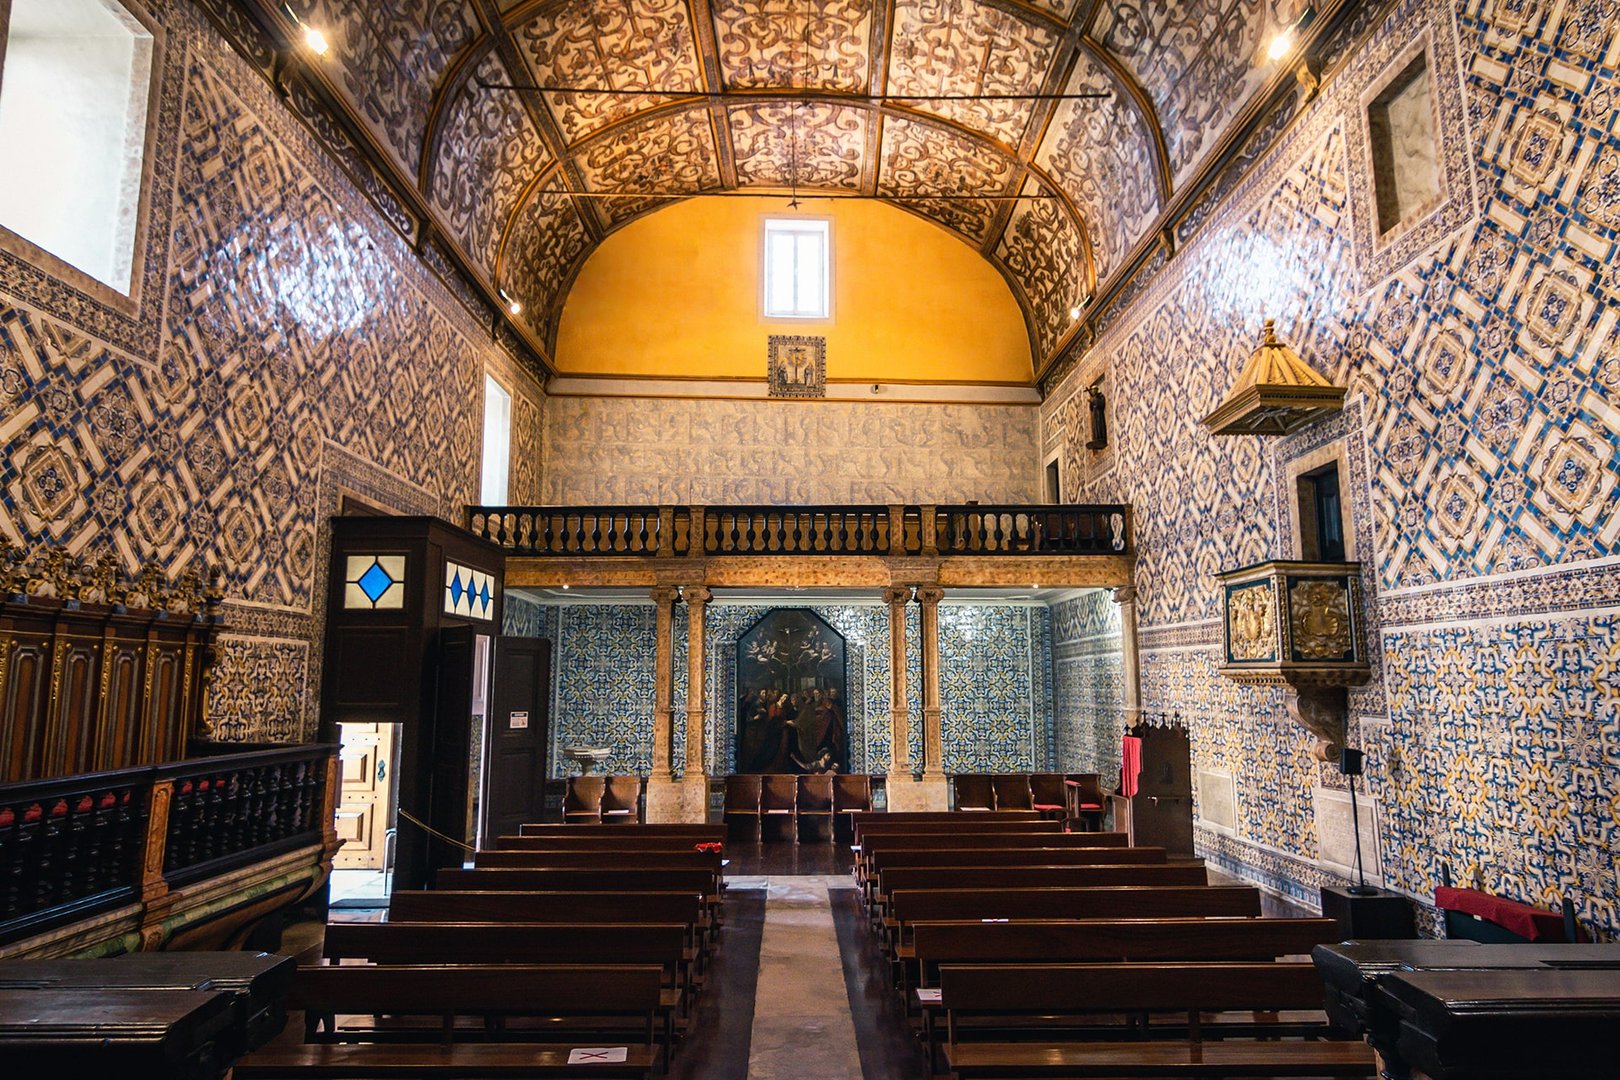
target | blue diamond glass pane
x=374, y=582
x=457, y=590
x=483, y=594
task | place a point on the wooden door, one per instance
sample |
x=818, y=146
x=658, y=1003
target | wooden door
x=364, y=767
x=518, y=735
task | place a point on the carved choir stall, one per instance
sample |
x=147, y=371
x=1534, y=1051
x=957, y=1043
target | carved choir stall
x=111, y=840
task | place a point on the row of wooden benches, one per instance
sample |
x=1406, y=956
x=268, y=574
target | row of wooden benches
x=1026, y=951
x=558, y=955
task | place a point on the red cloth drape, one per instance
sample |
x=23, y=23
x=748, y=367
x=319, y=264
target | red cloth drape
x=1131, y=768
x=1530, y=923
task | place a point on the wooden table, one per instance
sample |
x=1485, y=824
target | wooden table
x=128, y=1034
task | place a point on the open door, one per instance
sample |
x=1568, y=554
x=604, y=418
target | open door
x=518, y=735
x=364, y=806
x=435, y=790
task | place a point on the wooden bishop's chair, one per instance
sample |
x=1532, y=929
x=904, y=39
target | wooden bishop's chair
x=582, y=802
x=779, y=798
x=742, y=801
x=816, y=800
x=851, y=795
x=621, y=804
x=1049, y=795
x=974, y=791
x=1012, y=791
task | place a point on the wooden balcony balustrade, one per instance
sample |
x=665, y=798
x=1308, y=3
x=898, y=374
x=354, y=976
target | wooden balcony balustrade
x=675, y=532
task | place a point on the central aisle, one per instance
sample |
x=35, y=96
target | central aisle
x=802, y=1022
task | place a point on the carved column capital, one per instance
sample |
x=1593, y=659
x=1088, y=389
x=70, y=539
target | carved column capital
x=1125, y=594
x=696, y=596
x=930, y=595
x=897, y=595
x=664, y=595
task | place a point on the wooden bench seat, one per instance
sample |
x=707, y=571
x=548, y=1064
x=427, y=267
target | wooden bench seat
x=1032, y=877
x=452, y=1062
x=690, y=909
x=601, y=860
x=979, y=1001
x=661, y=829
x=574, y=839
x=580, y=879
x=1114, y=1060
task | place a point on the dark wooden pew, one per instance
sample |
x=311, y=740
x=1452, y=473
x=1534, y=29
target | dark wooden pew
x=975, y=824
x=257, y=983
x=572, y=1004
x=580, y=879
x=609, y=841
x=443, y=905
x=909, y=906
x=145, y=1034
x=692, y=832
x=994, y=995
x=604, y=860
x=1031, y=877
x=881, y=842
x=664, y=944
x=862, y=816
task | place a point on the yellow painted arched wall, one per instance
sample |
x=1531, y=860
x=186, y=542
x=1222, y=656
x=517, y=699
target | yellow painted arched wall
x=677, y=294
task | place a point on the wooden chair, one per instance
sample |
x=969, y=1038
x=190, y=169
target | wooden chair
x=742, y=800
x=852, y=795
x=1086, y=801
x=974, y=791
x=778, y=798
x=816, y=800
x=1012, y=791
x=582, y=801
x=621, y=804
x=1049, y=796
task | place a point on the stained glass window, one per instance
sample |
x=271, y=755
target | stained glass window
x=375, y=582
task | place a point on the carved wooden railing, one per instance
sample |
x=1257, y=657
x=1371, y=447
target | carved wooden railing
x=77, y=846
x=1033, y=530
x=710, y=531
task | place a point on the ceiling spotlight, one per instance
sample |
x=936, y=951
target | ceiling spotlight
x=316, y=41
x=1074, y=313
x=513, y=306
x=565, y=588
x=1281, y=45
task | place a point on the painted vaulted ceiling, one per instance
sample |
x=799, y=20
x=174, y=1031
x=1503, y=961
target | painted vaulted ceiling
x=737, y=94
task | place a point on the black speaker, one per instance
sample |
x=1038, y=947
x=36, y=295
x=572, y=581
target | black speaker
x=1351, y=762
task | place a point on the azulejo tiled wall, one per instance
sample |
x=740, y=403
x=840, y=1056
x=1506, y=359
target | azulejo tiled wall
x=1088, y=683
x=284, y=349
x=995, y=676
x=1481, y=442
x=607, y=450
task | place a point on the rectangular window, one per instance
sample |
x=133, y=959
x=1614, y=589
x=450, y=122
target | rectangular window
x=798, y=268
x=1322, y=534
x=497, y=443
x=74, y=83
x=1400, y=121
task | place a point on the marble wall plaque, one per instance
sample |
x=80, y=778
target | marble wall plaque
x=1217, y=800
x=1336, y=838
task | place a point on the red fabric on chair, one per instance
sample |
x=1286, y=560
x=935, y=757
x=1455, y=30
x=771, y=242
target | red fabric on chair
x=1130, y=770
x=1530, y=923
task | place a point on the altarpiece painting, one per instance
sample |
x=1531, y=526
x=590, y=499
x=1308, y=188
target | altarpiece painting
x=792, y=685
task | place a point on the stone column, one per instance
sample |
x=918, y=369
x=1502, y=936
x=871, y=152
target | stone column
x=669, y=799
x=927, y=793
x=933, y=746
x=897, y=597
x=1129, y=647
x=697, y=604
x=664, y=597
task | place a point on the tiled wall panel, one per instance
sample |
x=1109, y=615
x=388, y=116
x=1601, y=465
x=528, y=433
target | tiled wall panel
x=284, y=349
x=1482, y=439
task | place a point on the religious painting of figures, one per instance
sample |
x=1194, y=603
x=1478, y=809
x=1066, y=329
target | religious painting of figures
x=791, y=689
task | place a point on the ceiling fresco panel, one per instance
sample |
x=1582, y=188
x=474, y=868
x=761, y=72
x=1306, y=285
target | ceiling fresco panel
x=1043, y=250
x=1101, y=153
x=920, y=158
x=387, y=57
x=672, y=151
x=1199, y=60
x=627, y=45
x=964, y=47
x=547, y=241
x=823, y=148
x=487, y=152
x=820, y=44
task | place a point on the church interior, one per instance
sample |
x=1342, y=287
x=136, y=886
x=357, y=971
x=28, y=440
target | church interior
x=821, y=538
